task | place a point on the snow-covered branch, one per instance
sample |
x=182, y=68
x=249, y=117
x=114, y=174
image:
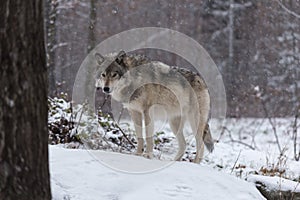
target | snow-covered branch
x=288, y=10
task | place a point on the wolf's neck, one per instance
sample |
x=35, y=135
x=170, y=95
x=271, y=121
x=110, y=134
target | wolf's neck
x=122, y=93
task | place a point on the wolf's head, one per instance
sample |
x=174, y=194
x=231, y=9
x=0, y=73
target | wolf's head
x=113, y=70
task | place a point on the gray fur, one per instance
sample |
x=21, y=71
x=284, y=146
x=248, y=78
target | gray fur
x=143, y=85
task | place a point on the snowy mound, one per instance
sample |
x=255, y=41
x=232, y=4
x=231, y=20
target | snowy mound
x=78, y=175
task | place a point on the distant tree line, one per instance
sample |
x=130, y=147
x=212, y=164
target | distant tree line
x=254, y=43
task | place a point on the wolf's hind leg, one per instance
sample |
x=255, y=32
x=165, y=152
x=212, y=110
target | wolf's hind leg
x=197, y=128
x=149, y=124
x=138, y=126
x=199, y=143
x=176, y=125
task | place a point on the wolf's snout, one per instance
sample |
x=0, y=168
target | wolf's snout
x=106, y=89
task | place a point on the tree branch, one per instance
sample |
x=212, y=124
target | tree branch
x=287, y=10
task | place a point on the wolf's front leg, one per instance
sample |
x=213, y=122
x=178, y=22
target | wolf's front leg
x=137, y=121
x=149, y=123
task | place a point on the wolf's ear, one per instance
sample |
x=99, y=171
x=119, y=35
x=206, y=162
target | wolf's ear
x=99, y=58
x=120, y=56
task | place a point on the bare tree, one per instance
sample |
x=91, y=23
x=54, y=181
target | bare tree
x=295, y=136
x=92, y=24
x=24, y=172
x=51, y=44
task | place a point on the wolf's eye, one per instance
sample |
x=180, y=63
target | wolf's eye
x=103, y=75
x=114, y=75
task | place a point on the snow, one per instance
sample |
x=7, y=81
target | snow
x=275, y=183
x=78, y=174
x=243, y=147
x=258, y=134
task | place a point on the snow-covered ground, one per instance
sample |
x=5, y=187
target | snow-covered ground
x=249, y=145
x=78, y=174
x=245, y=148
x=275, y=183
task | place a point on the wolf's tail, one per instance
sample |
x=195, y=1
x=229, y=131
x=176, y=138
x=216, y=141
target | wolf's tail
x=207, y=138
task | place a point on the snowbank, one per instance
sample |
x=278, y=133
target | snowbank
x=275, y=183
x=276, y=187
x=80, y=175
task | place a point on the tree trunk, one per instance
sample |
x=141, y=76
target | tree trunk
x=92, y=21
x=24, y=172
x=51, y=44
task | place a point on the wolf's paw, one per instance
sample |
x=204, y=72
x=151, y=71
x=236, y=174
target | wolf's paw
x=138, y=153
x=148, y=155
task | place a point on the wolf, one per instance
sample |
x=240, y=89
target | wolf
x=149, y=89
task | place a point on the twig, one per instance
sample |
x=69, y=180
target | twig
x=121, y=113
x=76, y=129
x=116, y=124
x=72, y=123
x=272, y=124
x=237, y=141
x=296, y=187
x=118, y=144
x=288, y=10
x=295, y=138
x=71, y=116
x=109, y=145
x=104, y=102
x=235, y=162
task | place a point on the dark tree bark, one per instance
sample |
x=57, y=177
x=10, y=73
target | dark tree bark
x=24, y=172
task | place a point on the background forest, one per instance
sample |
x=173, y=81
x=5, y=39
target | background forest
x=255, y=44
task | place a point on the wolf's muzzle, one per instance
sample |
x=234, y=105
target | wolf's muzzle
x=106, y=90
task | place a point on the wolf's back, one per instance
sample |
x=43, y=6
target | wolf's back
x=194, y=79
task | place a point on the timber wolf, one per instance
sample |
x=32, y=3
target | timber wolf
x=141, y=84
